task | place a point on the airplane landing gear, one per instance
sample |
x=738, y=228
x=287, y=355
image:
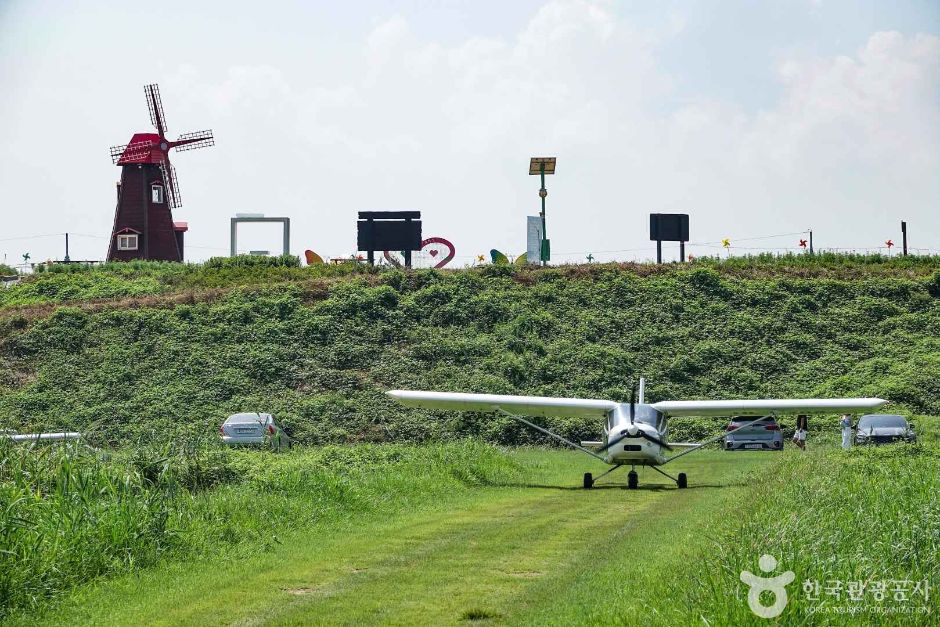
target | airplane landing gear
x=633, y=480
x=590, y=480
x=681, y=481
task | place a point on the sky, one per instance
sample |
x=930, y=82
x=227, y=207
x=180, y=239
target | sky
x=761, y=120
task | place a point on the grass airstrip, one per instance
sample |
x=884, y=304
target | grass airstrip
x=469, y=533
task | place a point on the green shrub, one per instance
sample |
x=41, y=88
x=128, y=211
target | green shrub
x=323, y=354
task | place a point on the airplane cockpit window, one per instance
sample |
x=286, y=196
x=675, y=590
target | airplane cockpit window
x=648, y=415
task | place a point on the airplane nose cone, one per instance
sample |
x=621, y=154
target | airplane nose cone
x=633, y=429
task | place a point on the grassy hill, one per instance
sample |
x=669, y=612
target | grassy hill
x=130, y=351
x=146, y=351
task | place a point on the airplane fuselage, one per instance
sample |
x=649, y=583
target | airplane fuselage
x=637, y=437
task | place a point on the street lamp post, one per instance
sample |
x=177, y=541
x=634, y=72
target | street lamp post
x=543, y=166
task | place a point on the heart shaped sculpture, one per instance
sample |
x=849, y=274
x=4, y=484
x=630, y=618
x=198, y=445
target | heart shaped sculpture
x=451, y=251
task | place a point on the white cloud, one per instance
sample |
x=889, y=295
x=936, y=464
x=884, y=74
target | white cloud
x=447, y=127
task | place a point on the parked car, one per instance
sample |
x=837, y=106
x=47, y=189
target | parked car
x=763, y=435
x=883, y=428
x=252, y=428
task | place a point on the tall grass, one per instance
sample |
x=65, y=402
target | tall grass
x=868, y=515
x=69, y=514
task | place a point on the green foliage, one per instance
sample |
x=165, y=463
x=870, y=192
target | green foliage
x=254, y=261
x=6, y=270
x=135, y=279
x=69, y=514
x=933, y=284
x=320, y=355
x=867, y=515
x=68, y=517
x=827, y=262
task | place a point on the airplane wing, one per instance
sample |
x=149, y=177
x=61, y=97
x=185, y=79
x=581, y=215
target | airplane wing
x=523, y=405
x=763, y=407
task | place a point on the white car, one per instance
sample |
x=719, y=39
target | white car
x=763, y=435
x=250, y=428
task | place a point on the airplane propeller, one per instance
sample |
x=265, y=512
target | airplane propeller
x=632, y=401
x=655, y=440
x=634, y=431
x=638, y=433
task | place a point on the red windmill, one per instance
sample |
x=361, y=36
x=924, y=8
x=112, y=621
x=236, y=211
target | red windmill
x=148, y=191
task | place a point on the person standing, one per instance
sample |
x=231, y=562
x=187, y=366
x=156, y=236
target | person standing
x=802, y=427
x=846, y=424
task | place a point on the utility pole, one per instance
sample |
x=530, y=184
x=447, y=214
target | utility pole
x=811, y=241
x=904, y=238
x=66, y=248
x=542, y=194
x=543, y=166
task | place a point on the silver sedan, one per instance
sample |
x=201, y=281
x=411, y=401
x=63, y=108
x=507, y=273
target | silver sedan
x=249, y=428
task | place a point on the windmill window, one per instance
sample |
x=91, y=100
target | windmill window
x=156, y=194
x=127, y=242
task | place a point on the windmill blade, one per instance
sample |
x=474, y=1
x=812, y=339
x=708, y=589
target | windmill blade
x=172, y=186
x=155, y=105
x=196, y=139
x=131, y=153
x=117, y=152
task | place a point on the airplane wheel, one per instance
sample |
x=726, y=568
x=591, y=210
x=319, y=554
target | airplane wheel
x=683, y=482
x=588, y=481
x=633, y=480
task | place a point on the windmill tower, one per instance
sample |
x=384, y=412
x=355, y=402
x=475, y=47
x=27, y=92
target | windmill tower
x=148, y=191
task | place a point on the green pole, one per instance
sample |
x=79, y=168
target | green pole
x=543, y=193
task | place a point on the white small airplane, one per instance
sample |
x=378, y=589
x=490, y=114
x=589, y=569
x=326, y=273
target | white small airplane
x=635, y=433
